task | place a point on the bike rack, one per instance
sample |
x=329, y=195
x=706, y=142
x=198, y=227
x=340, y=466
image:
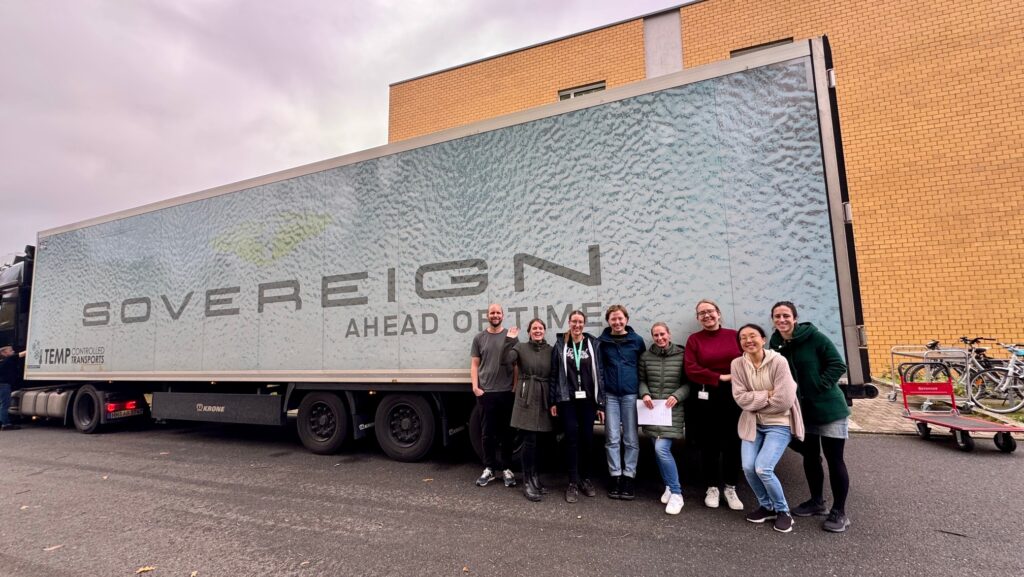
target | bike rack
x=899, y=354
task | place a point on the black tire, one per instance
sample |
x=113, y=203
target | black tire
x=927, y=373
x=924, y=431
x=964, y=441
x=1005, y=442
x=323, y=423
x=986, y=393
x=406, y=427
x=86, y=410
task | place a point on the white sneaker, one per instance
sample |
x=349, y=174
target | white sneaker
x=665, y=496
x=711, y=498
x=732, y=499
x=675, y=504
x=509, y=478
x=486, y=477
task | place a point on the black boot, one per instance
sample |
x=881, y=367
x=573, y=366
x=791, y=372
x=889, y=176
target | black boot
x=536, y=483
x=530, y=490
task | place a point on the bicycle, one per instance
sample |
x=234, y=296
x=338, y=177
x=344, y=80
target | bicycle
x=956, y=368
x=1001, y=389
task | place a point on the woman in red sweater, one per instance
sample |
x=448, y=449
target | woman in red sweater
x=707, y=359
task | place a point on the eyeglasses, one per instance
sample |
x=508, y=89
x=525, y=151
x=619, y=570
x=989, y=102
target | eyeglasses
x=702, y=314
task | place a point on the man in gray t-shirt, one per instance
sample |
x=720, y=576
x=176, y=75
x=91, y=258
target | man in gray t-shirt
x=492, y=377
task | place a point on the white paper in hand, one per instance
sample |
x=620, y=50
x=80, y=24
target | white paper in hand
x=659, y=415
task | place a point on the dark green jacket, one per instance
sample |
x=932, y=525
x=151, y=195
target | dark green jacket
x=816, y=365
x=662, y=375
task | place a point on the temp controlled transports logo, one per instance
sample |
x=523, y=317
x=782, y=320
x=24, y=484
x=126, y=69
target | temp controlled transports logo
x=262, y=243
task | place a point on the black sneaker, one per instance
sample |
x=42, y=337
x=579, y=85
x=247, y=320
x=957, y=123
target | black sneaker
x=10, y=427
x=572, y=493
x=587, y=488
x=626, y=489
x=760, y=515
x=615, y=490
x=837, y=522
x=810, y=508
x=783, y=523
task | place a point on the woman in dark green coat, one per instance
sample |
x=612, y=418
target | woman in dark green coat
x=531, y=414
x=662, y=378
x=817, y=365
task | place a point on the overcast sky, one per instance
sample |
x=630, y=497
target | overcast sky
x=110, y=104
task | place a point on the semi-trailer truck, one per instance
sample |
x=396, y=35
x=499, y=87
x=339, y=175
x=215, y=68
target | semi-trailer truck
x=345, y=293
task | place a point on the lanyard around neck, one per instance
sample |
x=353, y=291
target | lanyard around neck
x=577, y=353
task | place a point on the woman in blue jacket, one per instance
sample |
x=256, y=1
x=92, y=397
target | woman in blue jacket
x=621, y=348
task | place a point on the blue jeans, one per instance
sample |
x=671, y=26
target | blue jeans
x=620, y=427
x=667, y=465
x=5, y=403
x=759, y=459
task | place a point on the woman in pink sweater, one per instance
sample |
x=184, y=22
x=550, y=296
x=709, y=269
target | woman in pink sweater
x=764, y=388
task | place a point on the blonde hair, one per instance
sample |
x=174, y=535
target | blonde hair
x=709, y=302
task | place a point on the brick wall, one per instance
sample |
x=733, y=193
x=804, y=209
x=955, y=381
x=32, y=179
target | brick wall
x=516, y=81
x=929, y=99
x=929, y=96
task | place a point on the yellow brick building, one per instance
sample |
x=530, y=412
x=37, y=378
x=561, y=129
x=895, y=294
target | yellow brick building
x=930, y=99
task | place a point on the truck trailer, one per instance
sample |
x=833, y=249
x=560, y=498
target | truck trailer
x=345, y=293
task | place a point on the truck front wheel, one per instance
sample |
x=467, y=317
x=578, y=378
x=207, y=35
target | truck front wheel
x=405, y=427
x=85, y=412
x=322, y=423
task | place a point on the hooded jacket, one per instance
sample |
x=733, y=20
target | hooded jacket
x=662, y=376
x=560, y=390
x=754, y=401
x=619, y=358
x=816, y=365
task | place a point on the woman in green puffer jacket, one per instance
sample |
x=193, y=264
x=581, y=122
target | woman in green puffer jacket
x=662, y=379
x=817, y=365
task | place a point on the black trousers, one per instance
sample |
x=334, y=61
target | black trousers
x=496, y=409
x=713, y=424
x=578, y=420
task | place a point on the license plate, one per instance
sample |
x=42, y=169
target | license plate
x=125, y=413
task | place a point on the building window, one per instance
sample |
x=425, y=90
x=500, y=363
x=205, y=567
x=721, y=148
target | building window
x=580, y=90
x=755, y=48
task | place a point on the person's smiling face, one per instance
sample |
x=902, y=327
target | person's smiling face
x=708, y=316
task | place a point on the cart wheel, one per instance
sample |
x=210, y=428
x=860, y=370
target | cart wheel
x=891, y=396
x=1005, y=442
x=966, y=408
x=924, y=431
x=964, y=440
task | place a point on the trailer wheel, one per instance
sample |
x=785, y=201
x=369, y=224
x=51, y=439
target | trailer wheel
x=924, y=431
x=322, y=423
x=964, y=440
x=405, y=427
x=85, y=412
x=1005, y=442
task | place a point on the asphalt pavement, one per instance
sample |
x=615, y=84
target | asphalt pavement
x=208, y=500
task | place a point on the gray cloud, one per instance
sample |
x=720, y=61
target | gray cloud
x=107, y=105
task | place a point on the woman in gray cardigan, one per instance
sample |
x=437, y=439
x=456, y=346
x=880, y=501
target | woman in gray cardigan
x=764, y=388
x=662, y=378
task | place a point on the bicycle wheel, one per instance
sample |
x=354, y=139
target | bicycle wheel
x=997, y=391
x=926, y=373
